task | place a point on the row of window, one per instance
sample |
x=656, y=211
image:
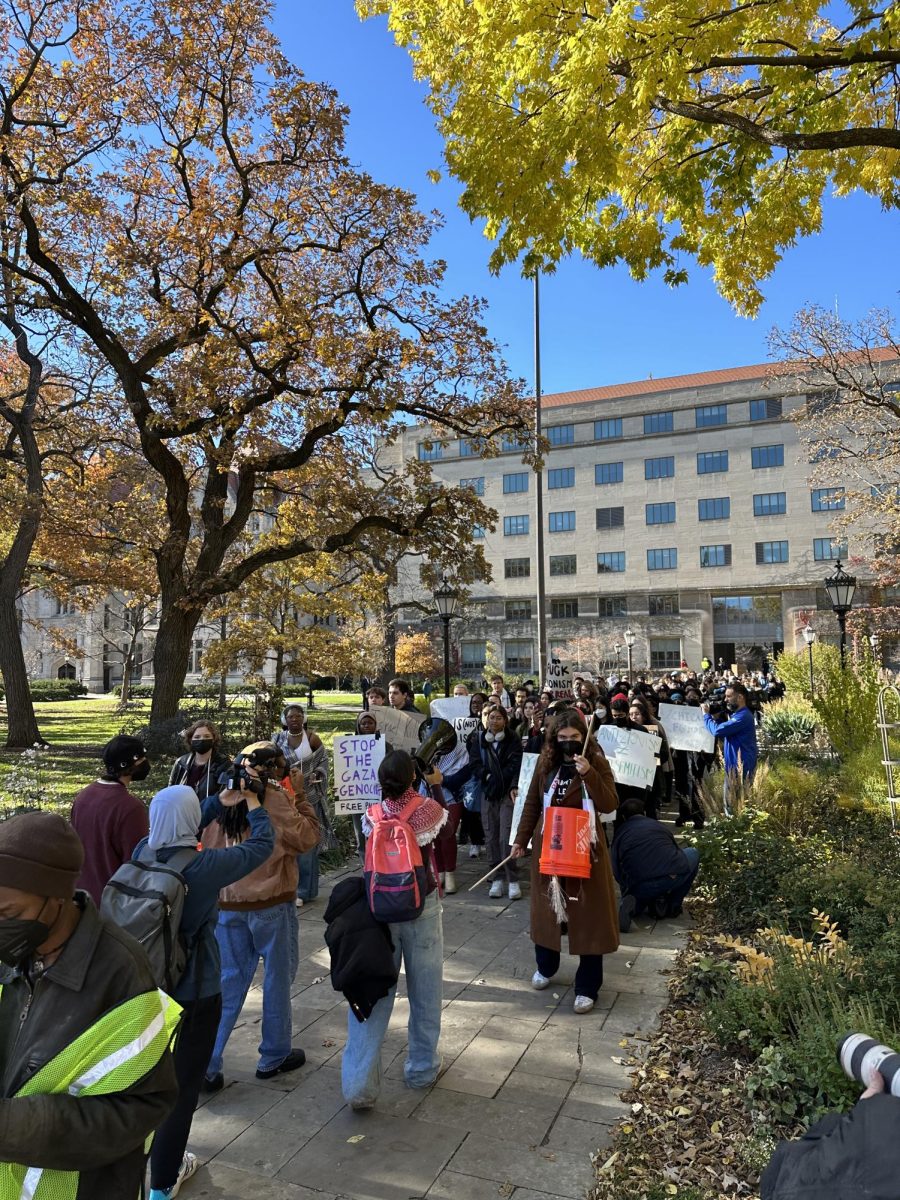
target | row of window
x=705, y=417
x=665, y=558
x=665, y=655
x=661, y=604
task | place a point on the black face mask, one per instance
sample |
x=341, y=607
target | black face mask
x=20, y=937
x=141, y=771
x=201, y=745
x=569, y=747
x=620, y=720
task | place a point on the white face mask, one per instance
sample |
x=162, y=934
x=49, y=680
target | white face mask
x=600, y=710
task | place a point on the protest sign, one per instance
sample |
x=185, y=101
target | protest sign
x=401, y=729
x=526, y=774
x=559, y=679
x=632, y=754
x=356, y=762
x=455, y=709
x=685, y=728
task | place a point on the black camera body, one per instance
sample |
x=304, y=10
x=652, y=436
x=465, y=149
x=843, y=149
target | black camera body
x=259, y=760
x=718, y=710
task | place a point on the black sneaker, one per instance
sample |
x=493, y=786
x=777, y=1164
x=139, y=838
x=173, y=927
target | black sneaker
x=660, y=907
x=627, y=905
x=213, y=1083
x=293, y=1062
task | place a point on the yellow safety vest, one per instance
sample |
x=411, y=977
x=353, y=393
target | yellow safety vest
x=118, y=1050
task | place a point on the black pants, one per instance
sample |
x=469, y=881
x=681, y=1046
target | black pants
x=193, y=1049
x=588, y=977
x=470, y=828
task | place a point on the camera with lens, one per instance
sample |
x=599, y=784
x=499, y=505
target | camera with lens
x=718, y=710
x=261, y=759
x=860, y=1055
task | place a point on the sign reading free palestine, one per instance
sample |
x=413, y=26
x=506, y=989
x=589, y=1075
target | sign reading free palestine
x=356, y=762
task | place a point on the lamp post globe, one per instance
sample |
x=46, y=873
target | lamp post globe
x=629, y=646
x=809, y=636
x=841, y=588
x=446, y=601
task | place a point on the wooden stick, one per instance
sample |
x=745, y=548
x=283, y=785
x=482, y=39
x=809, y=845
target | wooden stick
x=490, y=872
x=590, y=730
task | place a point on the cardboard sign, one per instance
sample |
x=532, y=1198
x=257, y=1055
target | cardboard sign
x=455, y=709
x=685, y=728
x=526, y=774
x=401, y=729
x=356, y=762
x=559, y=679
x=631, y=753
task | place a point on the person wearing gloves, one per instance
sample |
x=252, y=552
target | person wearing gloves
x=86, y=1072
x=176, y=821
x=204, y=762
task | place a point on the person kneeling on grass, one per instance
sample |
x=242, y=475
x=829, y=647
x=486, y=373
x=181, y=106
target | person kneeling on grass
x=650, y=867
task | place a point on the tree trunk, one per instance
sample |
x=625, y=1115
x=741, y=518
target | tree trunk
x=390, y=644
x=223, y=678
x=171, y=659
x=22, y=724
x=279, y=668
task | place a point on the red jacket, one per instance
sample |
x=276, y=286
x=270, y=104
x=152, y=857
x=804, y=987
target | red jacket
x=110, y=822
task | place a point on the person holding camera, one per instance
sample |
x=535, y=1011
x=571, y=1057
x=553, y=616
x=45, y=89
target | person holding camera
x=258, y=914
x=737, y=729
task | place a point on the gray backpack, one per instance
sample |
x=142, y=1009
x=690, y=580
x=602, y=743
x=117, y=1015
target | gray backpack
x=145, y=897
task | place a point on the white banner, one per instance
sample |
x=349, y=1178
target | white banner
x=401, y=729
x=455, y=709
x=526, y=774
x=357, y=758
x=685, y=728
x=631, y=753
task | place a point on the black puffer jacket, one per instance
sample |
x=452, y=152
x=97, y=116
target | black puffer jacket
x=495, y=764
x=362, y=950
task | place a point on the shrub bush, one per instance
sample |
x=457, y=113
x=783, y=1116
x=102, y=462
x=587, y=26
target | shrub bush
x=845, y=700
x=53, y=689
x=788, y=723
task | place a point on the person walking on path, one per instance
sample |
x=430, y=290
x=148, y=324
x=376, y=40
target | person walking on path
x=176, y=820
x=204, y=762
x=86, y=1073
x=496, y=757
x=108, y=819
x=571, y=774
x=419, y=943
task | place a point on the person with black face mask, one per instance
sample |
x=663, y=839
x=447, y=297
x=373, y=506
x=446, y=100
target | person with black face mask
x=86, y=1071
x=108, y=819
x=204, y=763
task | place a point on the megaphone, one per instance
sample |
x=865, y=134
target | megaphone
x=436, y=738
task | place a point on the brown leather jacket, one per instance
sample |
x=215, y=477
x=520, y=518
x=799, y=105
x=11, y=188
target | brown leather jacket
x=275, y=882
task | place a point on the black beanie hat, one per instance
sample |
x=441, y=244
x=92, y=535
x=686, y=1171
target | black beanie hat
x=396, y=773
x=121, y=753
x=40, y=853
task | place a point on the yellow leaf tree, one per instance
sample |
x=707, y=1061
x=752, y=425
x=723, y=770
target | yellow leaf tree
x=417, y=656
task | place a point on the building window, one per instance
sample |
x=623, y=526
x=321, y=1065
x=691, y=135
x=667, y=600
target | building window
x=563, y=610
x=715, y=556
x=711, y=461
x=610, y=518
x=474, y=485
x=562, y=522
x=766, y=456
x=663, y=604
x=517, y=657
x=661, y=514
x=515, y=526
x=518, y=610
x=510, y=444
x=473, y=655
x=65, y=608
x=711, y=414
x=825, y=549
x=661, y=422
x=478, y=532
x=607, y=431
x=662, y=560
x=470, y=447
x=430, y=452
x=717, y=508
x=196, y=658
x=827, y=499
x=665, y=654
x=563, y=564
x=765, y=410
x=771, y=552
x=659, y=468
x=561, y=477
x=613, y=560
x=769, y=504
x=612, y=606
x=517, y=482
x=516, y=568
x=560, y=435
x=607, y=473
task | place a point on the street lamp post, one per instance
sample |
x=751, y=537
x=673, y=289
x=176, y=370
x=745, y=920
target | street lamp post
x=809, y=636
x=618, y=650
x=446, y=601
x=629, y=646
x=841, y=588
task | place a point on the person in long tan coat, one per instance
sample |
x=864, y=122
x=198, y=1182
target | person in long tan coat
x=562, y=777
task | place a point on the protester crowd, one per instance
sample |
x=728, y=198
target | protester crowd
x=130, y=936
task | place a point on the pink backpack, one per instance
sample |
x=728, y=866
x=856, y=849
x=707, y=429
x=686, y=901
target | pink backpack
x=396, y=877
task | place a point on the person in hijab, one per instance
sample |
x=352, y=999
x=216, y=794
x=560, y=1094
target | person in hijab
x=176, y=820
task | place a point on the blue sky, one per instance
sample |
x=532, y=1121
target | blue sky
x=598, y=327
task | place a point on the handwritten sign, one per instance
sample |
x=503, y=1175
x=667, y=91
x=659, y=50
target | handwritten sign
x=685, y=728
x=526, y=774
x=632, y=754
x=401, y=729
x=356, y=762
x=559, y=679
x=455, y=709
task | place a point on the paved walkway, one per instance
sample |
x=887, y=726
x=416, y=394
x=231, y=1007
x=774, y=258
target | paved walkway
x=527, y=1094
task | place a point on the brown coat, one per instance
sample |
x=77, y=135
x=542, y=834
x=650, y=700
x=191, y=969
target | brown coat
x=593, y=916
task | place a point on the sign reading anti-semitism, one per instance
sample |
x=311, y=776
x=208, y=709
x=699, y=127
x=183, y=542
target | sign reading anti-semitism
x=356, y=762
x=632, y=754
x=685, y=728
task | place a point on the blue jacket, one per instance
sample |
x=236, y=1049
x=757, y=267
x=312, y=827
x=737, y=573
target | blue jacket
x=643, y=850
x=739, y=732
x=205, y=877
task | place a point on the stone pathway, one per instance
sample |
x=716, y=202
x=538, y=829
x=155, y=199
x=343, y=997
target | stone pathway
x=528, y=1091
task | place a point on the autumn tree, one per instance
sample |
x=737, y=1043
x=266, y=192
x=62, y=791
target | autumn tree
x=643, y=134
x=265, y=312
x=417, y=656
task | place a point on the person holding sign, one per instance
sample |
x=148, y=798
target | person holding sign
x=572, y=772
x=496, y=755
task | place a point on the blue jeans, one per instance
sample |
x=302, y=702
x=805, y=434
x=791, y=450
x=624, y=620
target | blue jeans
x=673, y=887
x=421, y=945
x=270, y=934
x=308, y=875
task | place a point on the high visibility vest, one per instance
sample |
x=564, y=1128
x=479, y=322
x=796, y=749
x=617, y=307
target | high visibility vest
x=118, y=1050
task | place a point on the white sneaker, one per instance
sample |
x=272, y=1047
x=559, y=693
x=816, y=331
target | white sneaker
x=473, y=852
x=515, y=891
x=189, y=1165
x=496, y=889
x=539, y=981
x=449, y=883
x=584, y=1004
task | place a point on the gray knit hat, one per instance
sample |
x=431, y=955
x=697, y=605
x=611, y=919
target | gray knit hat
x=40, y=853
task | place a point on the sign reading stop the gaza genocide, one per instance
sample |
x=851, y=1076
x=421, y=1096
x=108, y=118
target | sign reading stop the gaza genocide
x=356, y=762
